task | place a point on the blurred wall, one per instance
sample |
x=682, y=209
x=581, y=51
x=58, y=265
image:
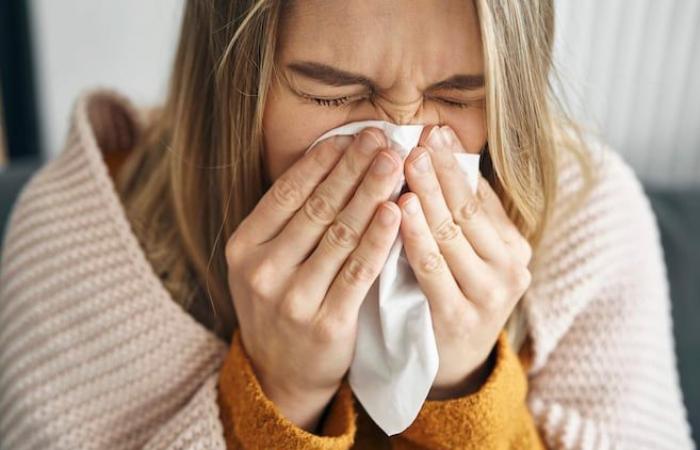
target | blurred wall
x=634, y=71
x=127, y=45
x=630, y=66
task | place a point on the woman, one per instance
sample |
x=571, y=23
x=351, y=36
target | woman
x=547, y=288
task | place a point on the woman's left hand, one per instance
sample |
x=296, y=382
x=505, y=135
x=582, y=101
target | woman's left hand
x=469, y=258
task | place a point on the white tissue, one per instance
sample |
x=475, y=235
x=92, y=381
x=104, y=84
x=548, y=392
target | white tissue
x=396, y=357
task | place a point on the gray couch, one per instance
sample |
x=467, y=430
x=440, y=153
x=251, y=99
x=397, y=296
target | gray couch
x=678, y=216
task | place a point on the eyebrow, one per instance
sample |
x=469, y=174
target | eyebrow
x=333, y=76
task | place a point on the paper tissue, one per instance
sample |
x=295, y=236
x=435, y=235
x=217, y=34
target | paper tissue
x=396, y=356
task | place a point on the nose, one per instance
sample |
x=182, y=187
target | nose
x=400, y=112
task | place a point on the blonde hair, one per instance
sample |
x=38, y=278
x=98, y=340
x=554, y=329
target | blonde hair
x=198, y=169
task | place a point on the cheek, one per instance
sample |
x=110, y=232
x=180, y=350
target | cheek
x=288, y=130
x=470, y=127
x=278, y=154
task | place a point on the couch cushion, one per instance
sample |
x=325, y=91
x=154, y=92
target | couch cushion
x=678, y=216
x=12, y=178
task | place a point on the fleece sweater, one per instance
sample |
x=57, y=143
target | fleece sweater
x=96, y=354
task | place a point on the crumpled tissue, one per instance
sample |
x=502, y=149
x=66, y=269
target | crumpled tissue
x=396, y=357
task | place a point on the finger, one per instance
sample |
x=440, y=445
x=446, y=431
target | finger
x=493, y=207
x=429, y=265
x=441, y=213
x=463, y=204
x=488, y=197
x=458, y=251
x=489, y=200
x=344, y=235
x=288, y=193
x=320, y=210
x=362, y=267
x=465, y=265
x=506, y=228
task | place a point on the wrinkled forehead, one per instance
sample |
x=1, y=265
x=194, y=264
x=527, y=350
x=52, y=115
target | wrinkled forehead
x=420, y=40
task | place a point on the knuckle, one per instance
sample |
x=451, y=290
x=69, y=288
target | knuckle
x=432, y=262
x=527, y=252
x=259, y=277
x=232, y=250
x=460, y=322
x=446, y=231
x=496, y=297
x=470, y=208
x=319, y=209
x=342, y=235
x=358, y=271
x=290, y=309
x=470, y=319
x=287, y=192
x=330, y=328
x=483, y=190
x=521, y=279
x=324, y=331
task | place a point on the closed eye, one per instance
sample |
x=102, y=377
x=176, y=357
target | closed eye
x=342, y=101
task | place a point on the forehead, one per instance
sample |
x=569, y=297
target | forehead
x=416, y=38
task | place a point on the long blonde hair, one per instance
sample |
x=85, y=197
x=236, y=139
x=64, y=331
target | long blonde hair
x=198, y=169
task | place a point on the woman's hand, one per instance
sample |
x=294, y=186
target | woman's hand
x=302, y=262
x=468, y=257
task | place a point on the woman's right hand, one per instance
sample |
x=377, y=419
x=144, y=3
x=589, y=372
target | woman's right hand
x=301, y=263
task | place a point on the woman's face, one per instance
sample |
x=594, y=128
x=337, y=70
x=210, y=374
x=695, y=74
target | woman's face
x=399, y=61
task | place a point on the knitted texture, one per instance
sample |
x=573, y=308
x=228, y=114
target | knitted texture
x=94, y=352
x=493, y=417
x=253, y=421
x=604, y=370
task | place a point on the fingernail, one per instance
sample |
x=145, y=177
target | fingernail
x=434, y=138
x=422, y=163
x=369, y=141
x=448, y=136
x=411, y=206
x=343, y=141
x=386, y=215
x=382, y=164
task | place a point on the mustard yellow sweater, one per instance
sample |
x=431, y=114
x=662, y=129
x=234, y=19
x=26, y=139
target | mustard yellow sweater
x=494, y=417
